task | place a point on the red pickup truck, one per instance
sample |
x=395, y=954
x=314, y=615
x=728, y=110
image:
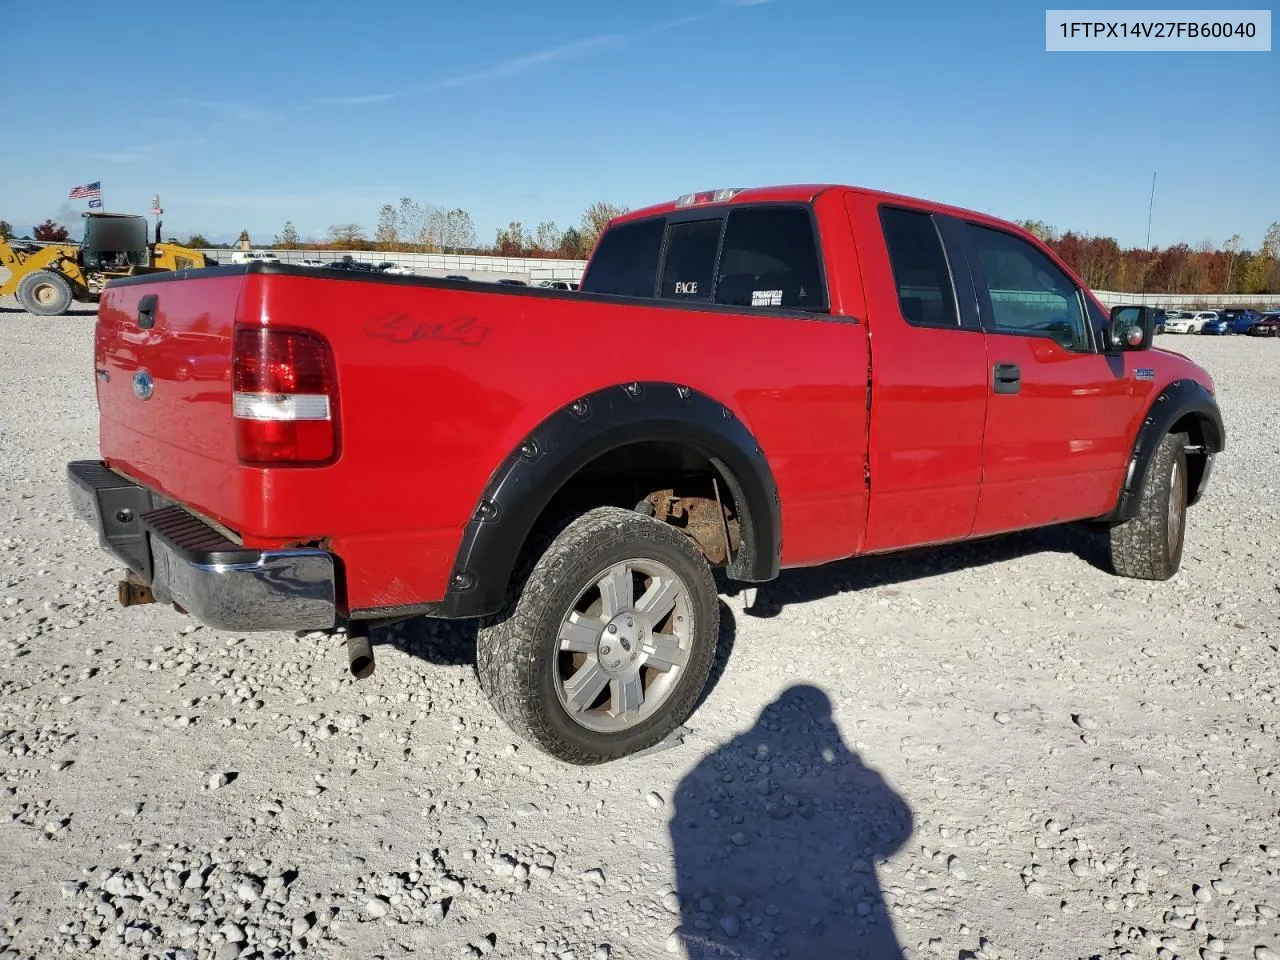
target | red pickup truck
x=747, y=379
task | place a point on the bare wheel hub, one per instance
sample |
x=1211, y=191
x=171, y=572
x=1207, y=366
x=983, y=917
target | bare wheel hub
x=623, y=644
x=44, y=294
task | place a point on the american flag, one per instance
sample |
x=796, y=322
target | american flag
x=86, y=190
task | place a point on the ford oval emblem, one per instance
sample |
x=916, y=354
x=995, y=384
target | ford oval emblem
x=143, y=385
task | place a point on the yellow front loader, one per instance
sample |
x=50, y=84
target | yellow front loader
x=46, y=279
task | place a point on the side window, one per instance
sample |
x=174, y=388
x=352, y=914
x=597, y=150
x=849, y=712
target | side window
x=626, y=262
x=690, y=269
x=920, y=271
x=1029, y=294
x=770, y=259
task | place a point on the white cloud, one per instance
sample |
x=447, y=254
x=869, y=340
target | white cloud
x=226, y=108
x=355, y=100
x=139, y=153
x=527, y=62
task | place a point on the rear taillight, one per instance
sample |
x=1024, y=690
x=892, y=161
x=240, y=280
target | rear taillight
x=284, y=398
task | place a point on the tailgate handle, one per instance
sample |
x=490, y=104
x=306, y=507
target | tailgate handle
x=147, y=311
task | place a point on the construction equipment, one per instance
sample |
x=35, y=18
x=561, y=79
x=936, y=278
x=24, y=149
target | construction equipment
x=47, y=278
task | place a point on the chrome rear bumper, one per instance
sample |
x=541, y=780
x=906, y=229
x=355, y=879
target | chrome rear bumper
x=188, y=563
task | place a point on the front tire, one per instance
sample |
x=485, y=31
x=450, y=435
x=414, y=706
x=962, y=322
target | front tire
x=45, y=293
x=610, y=641
x=1149, y=546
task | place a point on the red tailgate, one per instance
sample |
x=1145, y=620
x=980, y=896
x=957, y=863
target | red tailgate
x=162, y=361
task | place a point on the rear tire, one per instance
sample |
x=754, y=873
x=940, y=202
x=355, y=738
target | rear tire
x=44, y=293
x=1149, y=546
x=608, y=643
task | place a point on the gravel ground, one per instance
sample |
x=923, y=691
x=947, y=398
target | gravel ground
x=990, y=751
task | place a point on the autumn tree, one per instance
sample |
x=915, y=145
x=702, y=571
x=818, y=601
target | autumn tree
x=1039, y=228
x=547, y=237
x=388, y=232
x=347, y=235
x=595, y=219
x=459, y=231
x=50, y=232
x=571, y=244
x=6, y=230
x=1265, y=277
x=1233, y=249
x=288, y=239
x=513, y=240
x=411, y=221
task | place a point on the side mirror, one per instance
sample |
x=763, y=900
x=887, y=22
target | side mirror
x=1131, y=328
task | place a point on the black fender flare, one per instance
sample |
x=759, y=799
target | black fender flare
x=565, y=442
x=1175, y=402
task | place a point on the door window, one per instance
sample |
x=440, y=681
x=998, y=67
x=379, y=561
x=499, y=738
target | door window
x=1029, y=294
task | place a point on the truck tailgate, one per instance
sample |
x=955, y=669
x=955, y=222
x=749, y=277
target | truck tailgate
x=162, y=362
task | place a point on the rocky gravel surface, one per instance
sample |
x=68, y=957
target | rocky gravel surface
x=993, y=751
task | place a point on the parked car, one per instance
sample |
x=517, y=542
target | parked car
x=349, y=263
x=1218, y=326
x=1179, y=321
x=511, y=283
x=1268, y=325
x=1239, y=319
x=367, y=452
x=456, y=276
x=310, y=262
x=558, y=284
x=395, y=269
x=1200, y=318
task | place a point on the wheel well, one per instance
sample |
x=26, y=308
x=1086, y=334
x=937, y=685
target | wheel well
x=669, y=479
x=1193, y=425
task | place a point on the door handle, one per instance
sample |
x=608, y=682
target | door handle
x=1006, y=378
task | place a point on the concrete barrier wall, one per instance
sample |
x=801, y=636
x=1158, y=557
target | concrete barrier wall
x=439, y=264
x=1192, y=301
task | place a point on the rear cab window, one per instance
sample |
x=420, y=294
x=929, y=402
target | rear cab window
x=751, y=256
x=920, y=271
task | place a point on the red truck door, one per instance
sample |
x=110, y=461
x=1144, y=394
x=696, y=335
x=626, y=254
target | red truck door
x=929, y=377
x=1055, y=444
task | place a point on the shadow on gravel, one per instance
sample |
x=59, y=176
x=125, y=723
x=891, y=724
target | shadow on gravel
x=776, y=836
x=862, y=573
x=79, y=310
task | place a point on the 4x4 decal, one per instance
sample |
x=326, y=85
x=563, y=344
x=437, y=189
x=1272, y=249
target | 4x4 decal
x=401, y=328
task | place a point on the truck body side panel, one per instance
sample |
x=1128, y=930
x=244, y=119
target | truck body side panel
x=439, y=382
x=928, y=404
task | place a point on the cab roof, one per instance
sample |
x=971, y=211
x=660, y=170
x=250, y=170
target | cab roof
x=805, y=193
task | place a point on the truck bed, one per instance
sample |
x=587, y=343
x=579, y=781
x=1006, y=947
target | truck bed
x=437, y=382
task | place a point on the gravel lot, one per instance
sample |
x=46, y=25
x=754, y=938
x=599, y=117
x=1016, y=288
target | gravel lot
x=992, y=751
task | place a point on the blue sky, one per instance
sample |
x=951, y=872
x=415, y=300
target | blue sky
x=247, y=114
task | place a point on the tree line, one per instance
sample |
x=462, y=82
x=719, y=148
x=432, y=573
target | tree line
x=1103, y=265
x=412, y=227
x=409, y=226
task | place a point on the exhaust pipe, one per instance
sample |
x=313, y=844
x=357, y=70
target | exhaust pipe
x=360, y=654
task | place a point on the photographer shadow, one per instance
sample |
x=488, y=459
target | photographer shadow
x=776, y=836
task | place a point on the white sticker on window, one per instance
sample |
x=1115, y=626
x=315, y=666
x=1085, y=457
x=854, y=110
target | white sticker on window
x=766, y=298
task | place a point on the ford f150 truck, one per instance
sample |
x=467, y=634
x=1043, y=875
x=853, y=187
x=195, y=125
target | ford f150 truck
x=747, y=379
